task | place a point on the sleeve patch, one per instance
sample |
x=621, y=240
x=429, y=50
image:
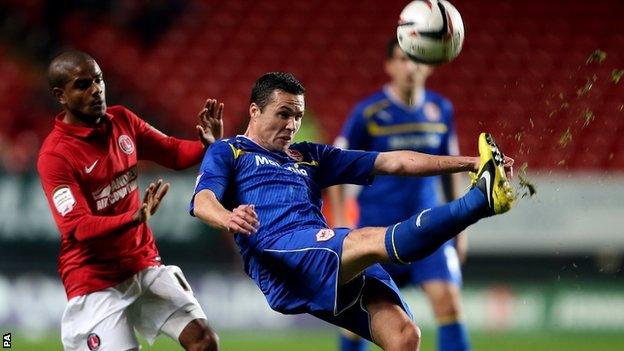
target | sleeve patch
x=63, y=200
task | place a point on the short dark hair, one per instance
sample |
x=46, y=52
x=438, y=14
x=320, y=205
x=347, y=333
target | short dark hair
x=62, y=63
x=392, y=43
x=269, y=82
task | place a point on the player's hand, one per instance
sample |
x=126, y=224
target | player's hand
x=243, y=220
x=210, y=127
x=151, y=201
x=508, y=164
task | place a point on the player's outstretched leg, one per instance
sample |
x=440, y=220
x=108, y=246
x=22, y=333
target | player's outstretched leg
x=420, y=235
x=423, y=233
x=391, y=328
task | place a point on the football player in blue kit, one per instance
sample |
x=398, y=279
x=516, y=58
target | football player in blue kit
x=404, y=115
x=267, y=191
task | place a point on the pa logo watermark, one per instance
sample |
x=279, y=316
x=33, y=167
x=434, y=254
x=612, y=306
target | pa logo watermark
x=6, y=341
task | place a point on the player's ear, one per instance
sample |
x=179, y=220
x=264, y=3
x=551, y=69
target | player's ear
x=59, y=94
x=254, y=110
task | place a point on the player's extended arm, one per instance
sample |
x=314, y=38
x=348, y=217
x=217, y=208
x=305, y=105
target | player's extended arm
x=411, y=163
x=176, y=153
x=242, y=219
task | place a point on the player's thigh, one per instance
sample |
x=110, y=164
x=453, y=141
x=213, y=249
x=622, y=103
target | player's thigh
x=360, y=249
x=167, y=305
x=82, y=330
x=391, y=327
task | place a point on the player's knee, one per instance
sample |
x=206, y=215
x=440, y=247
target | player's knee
x=209, y=341
x=446, y=311
x=446, y=307
x=410, y=337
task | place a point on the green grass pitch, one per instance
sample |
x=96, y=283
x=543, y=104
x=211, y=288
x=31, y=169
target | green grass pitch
x=326, y=340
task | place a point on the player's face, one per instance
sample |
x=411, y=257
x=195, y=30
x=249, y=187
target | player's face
x=84, y=94
x=405, y=73
x=277, y=125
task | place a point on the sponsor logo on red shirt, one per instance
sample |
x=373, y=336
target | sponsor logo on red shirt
x=118, y=189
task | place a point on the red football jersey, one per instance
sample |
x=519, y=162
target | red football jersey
x=89, y=176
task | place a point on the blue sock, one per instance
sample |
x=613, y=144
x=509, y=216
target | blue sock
x=348, y=344
x=423, y=233
x=453, y=337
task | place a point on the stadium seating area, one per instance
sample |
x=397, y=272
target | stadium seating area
x=523, y=74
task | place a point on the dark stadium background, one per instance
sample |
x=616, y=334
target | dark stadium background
x=545, y=77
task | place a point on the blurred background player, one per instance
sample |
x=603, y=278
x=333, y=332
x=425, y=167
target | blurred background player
x=109, y=264
x=405, y=115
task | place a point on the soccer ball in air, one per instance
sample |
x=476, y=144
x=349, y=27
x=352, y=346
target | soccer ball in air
x=430, y=31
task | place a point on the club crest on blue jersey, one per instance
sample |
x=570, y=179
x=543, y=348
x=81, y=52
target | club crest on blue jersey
x=325, y=234
x=432, y=112
x=295, y=155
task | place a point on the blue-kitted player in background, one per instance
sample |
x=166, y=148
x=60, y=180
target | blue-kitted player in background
x=404, y=115
x=267, y=191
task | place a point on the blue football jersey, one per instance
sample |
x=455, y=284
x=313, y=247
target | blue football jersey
x=381, y=124
x=285, y=187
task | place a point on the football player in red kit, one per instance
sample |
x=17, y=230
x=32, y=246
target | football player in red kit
x=109, y=264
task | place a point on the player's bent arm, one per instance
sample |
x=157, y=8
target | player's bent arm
x=242, y=219
x=411, y=163
x=209, y=209
x=69, y=206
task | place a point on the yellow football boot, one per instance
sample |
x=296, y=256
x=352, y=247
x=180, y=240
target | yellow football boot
x=491, y=177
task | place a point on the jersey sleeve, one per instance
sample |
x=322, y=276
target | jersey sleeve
x=354, y=134
x=69, y=207
x=338, y=166
x=165, y=150
x=215, y=171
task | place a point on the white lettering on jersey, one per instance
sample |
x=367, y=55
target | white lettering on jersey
x=297, y=170
x=63, y=200
x=119, y=188
x=263, y=160
x=414, y=142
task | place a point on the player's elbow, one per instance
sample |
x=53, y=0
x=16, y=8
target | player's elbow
x=394, y=167
x=389, y=163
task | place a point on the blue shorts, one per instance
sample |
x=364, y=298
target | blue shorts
x=298, y=273
x=443, y=264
